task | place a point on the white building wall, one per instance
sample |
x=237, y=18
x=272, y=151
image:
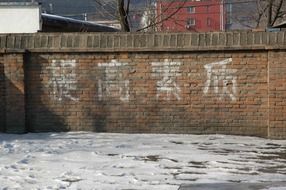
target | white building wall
x=20, y=19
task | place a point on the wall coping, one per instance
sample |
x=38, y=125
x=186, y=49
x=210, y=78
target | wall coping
x=143, y=42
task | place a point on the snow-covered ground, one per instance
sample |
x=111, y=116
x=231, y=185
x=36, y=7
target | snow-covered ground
x=81, y=160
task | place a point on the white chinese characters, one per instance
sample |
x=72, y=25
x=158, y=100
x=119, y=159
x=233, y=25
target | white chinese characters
x=63, y=80
x=167, y=86
x=222, y=79
x=113, y=84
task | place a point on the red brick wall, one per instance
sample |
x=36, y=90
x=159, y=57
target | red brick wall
x=15, y=117
x=277, y=94
x=2, y=94
x=91, y=92
x=230, y=83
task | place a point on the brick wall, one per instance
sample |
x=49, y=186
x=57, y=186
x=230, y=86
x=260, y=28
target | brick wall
x=277, y=94
x=154, y=92
x=231, y=83
x=2, y=95
x=15, y=115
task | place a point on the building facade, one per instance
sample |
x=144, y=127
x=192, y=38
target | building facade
x=241, y=15
x=191, y=15
x=20, y=17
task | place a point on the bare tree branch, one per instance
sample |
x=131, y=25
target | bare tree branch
x=123, y=15
x=162, y=20
x=269, y=12
x=127, y=7
x=277, y=12
x=269, y=17
x=261, y=12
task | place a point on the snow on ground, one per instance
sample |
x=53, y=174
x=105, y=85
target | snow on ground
x=81, y=160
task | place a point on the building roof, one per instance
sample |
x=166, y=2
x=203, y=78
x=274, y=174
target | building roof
x=18, y=4
x=54, y=23
x=280, y=25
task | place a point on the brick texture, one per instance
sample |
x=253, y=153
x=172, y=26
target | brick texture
x=277, y=94
x=2, y=95
x=14, y=93
x=131, y=92
x=229, y=83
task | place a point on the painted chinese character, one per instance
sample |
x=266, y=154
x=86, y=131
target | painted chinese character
x=167, y=86
x=113, y=83
x=221, y=79
x=63, y=79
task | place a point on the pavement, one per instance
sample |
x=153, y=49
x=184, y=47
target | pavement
x=234, y=186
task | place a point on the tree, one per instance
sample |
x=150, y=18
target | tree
x=125, y=11
x=277, y=10
x=166, y=13
x=269, y=12
x=256, y=13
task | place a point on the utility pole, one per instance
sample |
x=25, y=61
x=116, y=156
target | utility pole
x=222, y=16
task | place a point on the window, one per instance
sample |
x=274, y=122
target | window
x=209, y=22
x=191, y=22
x=228, y=14
x=229, y=8
x=191, y=9
x=207, y=8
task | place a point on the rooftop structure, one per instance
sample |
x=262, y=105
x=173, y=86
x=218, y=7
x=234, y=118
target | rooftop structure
x=20, y=17
x=54, y=23
x=23, y=17
x=281, y=25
